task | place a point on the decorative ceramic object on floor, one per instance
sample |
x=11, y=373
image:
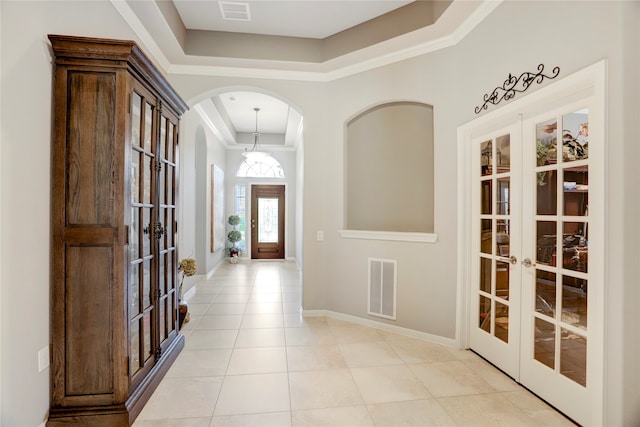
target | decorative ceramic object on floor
x=187, y=268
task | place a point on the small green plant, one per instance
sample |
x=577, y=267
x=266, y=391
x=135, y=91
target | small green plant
x=234, y=235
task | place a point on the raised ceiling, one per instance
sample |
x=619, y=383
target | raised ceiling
x=313, y=40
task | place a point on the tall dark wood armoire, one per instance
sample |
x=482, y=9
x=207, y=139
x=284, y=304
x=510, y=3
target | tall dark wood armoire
x=114, y=313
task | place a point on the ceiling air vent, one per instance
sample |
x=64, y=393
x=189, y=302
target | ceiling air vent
x=235, y=11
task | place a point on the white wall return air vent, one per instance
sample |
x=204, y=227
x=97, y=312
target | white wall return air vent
x=382, y=288
x=234, y=11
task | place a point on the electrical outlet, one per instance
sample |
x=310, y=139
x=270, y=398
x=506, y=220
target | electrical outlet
x=320, y=236
x=43, y=359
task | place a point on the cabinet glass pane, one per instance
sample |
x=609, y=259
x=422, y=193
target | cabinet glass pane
x=135, y=176
x=162, y=273
x=575, y=136
x=486, y=237
x=163, y=319
x=573, y=357
x=135, y=346
x=162, y=183
x=170, y=188
x=485, y=314
x=546, y=242
x=148, y=120
x=163, y=138
x=502, y=237
x=502, y=196
x=136, y=108
x=576, y=191
x=135, y=289
x=545, y=343
x=574, y=301
x=134, y=234
x=146, y=343
x=547, y=142
x=170, y=142
x=485, y=275
x=146, y=183
x=502, y=279
x=486, y=197
x=146, y=284
x=169, y=225
x=173, y=314
x=486, y=158
x=501, y=327
x=547, y=193
x=546, y=293
x=146, y=235
x=575, y=249
x=503, y=153
x=170, y=264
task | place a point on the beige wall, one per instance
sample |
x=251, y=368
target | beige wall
x=513, y=39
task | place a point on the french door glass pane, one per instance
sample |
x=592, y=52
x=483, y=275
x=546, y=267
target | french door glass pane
x=547, y=142
x=163, y=138
x=545, y=342
x=574, y=302
x=135, y=289
x=485, y=275
x=574, y=244
x=547, y=193
x=486, y=158
x=170, y=144
x=546, y=242
x=146, y=183
x=485, y=314
x=545, y=293
x=486, y=199
x=486, y=237
x=573, y=357
x=267, y=220
x=502, y=196
x=146, y=284
x=163, y=320
x=501, y=326
x=575, y=136
x=502, y=237
x=576, y=191
x=146, y=235
x=135, y=176
x=134, y=233
x=136, y=109
x=502, y=279
x=503, y=153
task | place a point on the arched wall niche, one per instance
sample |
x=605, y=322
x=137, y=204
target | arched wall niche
x=389, y=184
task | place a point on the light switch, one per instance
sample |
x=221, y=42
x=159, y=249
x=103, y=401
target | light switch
x=320, y=236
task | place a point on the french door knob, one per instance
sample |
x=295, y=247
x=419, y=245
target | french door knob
x=527, y=263
x=513, y=260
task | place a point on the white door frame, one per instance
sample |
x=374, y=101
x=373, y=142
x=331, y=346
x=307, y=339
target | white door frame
x=590, y=81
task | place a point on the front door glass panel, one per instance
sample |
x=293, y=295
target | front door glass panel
x=267, y=220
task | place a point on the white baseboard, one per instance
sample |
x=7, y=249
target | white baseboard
x=436, y=339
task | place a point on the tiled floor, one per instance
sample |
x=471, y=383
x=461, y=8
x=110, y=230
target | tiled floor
x=251, y=359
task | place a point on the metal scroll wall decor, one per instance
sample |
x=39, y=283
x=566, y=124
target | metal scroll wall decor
x=513, y=85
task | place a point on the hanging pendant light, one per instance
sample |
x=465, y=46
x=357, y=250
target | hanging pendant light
x=255, y=153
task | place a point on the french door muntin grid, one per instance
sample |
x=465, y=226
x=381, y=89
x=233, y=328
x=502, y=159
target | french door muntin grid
x=494, y=251
x=561, y=275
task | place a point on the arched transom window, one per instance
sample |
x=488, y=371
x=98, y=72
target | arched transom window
x=266, y=167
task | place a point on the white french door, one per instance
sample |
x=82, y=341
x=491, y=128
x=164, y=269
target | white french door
x=535, y=253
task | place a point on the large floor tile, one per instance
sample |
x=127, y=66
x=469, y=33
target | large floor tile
x=491, y=409
x=394, y=383
x=253, y=394
x=273, y=419
x=209, y=340
x=450, y=379
x=374, y=353
x=319, y=335
x=200, y=363
x=262, y=321
x=412, y=350
x=414, y=413
x=226, y=308
x=177, y=422
x=257, y=361
x=220, y=321
x=323, y=389
x=314, y=358
x=183, y=398
x=351, y=416
x=264, y=337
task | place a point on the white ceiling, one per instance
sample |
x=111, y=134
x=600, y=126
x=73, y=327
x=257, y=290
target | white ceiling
x=166, y=28
x=293, y=18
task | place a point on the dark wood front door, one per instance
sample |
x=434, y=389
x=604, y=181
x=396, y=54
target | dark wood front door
x=267, y=222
